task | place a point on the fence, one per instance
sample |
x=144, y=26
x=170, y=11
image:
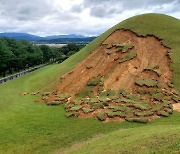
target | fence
x=11, y=77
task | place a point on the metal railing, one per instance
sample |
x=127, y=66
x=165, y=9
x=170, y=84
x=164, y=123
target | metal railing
x=11, y=77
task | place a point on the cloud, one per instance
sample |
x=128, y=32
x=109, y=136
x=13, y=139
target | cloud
x=87, y=17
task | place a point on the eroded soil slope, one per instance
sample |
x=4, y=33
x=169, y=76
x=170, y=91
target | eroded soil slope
x=150, y=52
x=126, y=77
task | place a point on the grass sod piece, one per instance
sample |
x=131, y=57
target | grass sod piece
x=126, y=47
x=76, y=108
x=94, y=81
x=163, y=113
x=101, y=116
x=142, y=105
x=112, y=114
x=116, y=58
x=158, y=96
x=128, y=57
x=154, y=69
x=109, y=52
x=99, y=105
x=87, y=110
x=142, y=91
x=144, y=114
x=117, y=108
x=168, y=110
x=63, y=96
x=109, y=46
x=46, y=94
x=53, y=103
x=89, y=67
x=133, y=97
x=146, y=82
x=139, y=120
x=72, y=114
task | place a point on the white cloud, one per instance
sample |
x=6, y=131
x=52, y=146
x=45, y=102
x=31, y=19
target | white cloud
x=87, y=17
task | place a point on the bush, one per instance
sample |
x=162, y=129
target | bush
x=130, y=56
x=101, y=116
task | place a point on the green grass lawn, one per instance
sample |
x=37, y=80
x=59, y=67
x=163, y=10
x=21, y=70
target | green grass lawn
x=29, y=127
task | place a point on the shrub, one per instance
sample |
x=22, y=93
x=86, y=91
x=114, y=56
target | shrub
x=94, y=81
x=130, y=56
x=147, y=82
x=101, y=116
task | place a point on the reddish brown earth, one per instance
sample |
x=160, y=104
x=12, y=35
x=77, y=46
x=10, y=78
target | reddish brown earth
x=150, y=51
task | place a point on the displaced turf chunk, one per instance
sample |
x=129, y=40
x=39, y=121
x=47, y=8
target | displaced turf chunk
x=87, y=110
x=46, y=94
x=63, y=96
x=109, y=46
x=76, y=108
x=154, y=69
x=97, y=105
x=142, y=106
x=109, y=52
x=94, y=81
x=147, y=82
x=116, y=58
x=88, y=66
x=142, y=91
x=53, y=103
x=163, y=113
x=72, y=114
x=139, y=120
x=130, y=56
x=101, y=116
x=158, y=96
x=126, y=47
x=117, y=108
x=144, y=114
x=112, y=114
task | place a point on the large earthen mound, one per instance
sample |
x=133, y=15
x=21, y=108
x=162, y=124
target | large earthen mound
x=126, y=77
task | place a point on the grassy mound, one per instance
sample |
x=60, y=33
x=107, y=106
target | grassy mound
x=38, y=128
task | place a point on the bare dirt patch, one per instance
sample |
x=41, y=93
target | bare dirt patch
x=150, y=51
x=176, y=107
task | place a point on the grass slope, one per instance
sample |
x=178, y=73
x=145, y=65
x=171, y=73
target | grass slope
x=28, y=127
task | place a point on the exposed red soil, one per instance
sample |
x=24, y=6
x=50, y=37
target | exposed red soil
x=150, y=52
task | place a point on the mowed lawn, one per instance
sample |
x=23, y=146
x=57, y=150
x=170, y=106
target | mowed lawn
x=29, y=127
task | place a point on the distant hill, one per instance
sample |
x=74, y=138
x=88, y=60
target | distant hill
x=71, y=38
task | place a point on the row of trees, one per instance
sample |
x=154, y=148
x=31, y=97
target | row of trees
x=20, y=55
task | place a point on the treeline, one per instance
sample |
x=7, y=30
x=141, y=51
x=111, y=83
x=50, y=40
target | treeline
x=16, y=56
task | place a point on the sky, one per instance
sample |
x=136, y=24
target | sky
x=83, y=17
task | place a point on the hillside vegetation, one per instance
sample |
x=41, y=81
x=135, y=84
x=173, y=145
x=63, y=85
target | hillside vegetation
x=28, y=127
